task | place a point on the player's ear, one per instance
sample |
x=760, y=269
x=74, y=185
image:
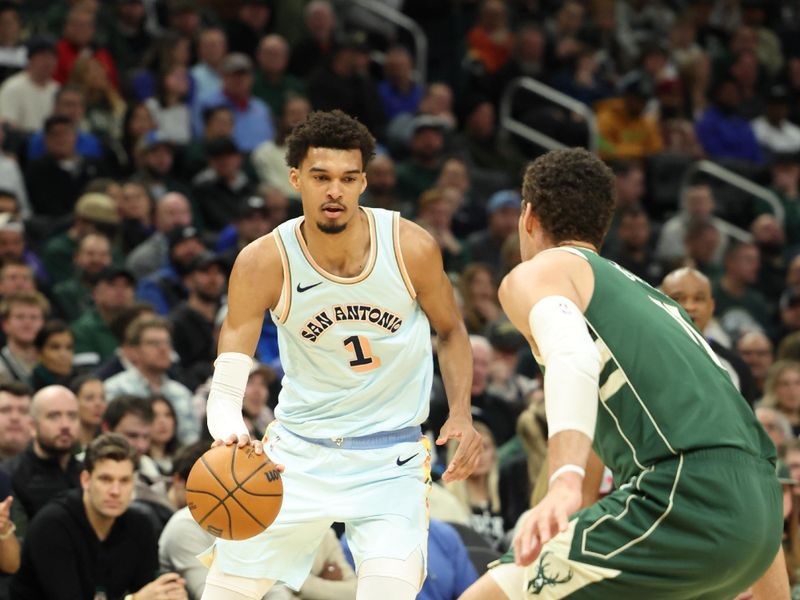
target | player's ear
x=528, y=218
x=294, y=178
x=363, y=182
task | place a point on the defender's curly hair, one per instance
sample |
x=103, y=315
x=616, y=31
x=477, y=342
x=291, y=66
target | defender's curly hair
x=572, y=194
x=333, y=129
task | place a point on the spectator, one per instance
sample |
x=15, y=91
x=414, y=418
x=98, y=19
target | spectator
x=16, y=425
x=212, y=46
x=490, y=41
x=768, y=236
x=193, y=321
x=164, y=436
x=164, y=289
x=223, y=186
x=380, y=192
x=251, y=221
x=782, y=391
x=13, y=187
x=47, y=467
x=13, y=248
x=105, y=107
x=94, y=213
x=479, y=294
x=70, y=101
x=136, y=123
x=702, y=240
x=342, y=83
x=318, y=44
x=419, y=171
x=269, y=159
x=250, y=25
x=78, y=41
x=740, y=306
x=722, y=131
x=777, y=427
x=271, y=82
x=128, y=35
x=755, y=348
x=255, y=410
x=399, y=92
x=495, y=412
x=136, y=208
x=73, y=296
x=112, y=293
x=564, y=39
x=503, y=212
x=152, y=343
x=56, y=180
x=635, y=252
x=91, y=406
x=27, y=98
x=170, y=105
x=625, y=130
x=55, y=346
x=83, y=530
x=122, y=358
x=252, y=118
x=183, y=17
x=155, y=158
x=482, y=148
x=13, y=54
x=15, y=276
x=217, y=123
x=785, y=172
x=132, y=417
x=23, y=315
x=697, y=203
x=436, y=209
x=173, y=210
x=692, y=290
x=170, y=48
x=773, y=130
x=583, y=79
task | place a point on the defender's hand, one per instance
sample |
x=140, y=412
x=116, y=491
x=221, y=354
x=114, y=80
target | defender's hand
x=470, y=447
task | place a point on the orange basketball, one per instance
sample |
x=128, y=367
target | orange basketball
x=233, y=493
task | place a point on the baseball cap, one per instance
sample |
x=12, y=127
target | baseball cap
x=421, y=122
x=98, y=208
x=152, y=139
x=112, y=273
x=251, y=205
x=221, y=146
x=181, y=233
x=236, y=62
x=784, y=474
x=41, y=43
x=204, y=260
x=637, y=84
x=503, y=199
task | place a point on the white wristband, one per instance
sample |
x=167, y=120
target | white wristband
x=566, y=469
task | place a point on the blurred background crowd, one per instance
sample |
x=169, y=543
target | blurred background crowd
x=143, y=147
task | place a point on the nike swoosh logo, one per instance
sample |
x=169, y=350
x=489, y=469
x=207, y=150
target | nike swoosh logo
x=302, y=289
x=400, y=463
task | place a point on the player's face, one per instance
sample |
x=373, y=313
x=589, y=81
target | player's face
x=329, y=182
x=109, y=488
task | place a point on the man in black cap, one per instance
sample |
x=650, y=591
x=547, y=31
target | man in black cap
x=193, y=320
x=419, y=171
x=27, y=98
x=251, y=221
x=220, y=189
x=774, y=132
x=164, y=289
x=155, y=157
x=112, y=293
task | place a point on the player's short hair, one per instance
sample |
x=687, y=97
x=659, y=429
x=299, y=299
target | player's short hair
x=108, y=446
x=127, y=404
x=25, y=299
x=572, y=194
x=333, y=129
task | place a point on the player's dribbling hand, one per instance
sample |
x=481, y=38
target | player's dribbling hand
x=242, y=441
x=169, y=586
x=548, y=518
x=470, y=447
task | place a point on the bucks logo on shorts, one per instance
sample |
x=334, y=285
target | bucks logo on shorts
x=542, y=579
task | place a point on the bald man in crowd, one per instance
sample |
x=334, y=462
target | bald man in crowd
x=692, y=290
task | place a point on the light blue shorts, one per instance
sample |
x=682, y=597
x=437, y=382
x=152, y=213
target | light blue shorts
x=380, y=494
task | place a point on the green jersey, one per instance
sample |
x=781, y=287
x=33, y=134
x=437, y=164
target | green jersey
x=662, y=388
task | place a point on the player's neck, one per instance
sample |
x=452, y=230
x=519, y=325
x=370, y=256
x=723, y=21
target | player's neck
x=576, y=244
x=343, y=254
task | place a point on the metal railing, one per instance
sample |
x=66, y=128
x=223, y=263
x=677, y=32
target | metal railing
x=712, y=169
x=531, y=85
x=403, y=22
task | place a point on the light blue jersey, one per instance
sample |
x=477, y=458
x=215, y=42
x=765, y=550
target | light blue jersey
x=356, y=351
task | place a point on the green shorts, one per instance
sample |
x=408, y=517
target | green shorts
x=704, y=525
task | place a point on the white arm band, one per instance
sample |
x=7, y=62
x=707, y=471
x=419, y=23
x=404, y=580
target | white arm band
x=224, y=408
x=571, y=365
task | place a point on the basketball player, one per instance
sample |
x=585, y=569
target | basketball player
x=697, y=510
x=353, y=292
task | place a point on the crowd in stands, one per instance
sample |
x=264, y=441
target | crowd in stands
x=143, y=147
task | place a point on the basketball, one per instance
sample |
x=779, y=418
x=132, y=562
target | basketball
x=233, y=493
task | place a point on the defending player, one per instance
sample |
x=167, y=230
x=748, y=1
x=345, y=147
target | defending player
x=697, y=512
x=354, y=292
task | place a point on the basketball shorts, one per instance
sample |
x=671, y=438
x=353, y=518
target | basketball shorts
x=702, y=526
x=379, y=493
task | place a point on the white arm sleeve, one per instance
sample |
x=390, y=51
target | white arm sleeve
x=571, y=363
x=224, y=409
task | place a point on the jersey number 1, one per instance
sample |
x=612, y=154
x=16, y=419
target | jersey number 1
x=364, y=360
